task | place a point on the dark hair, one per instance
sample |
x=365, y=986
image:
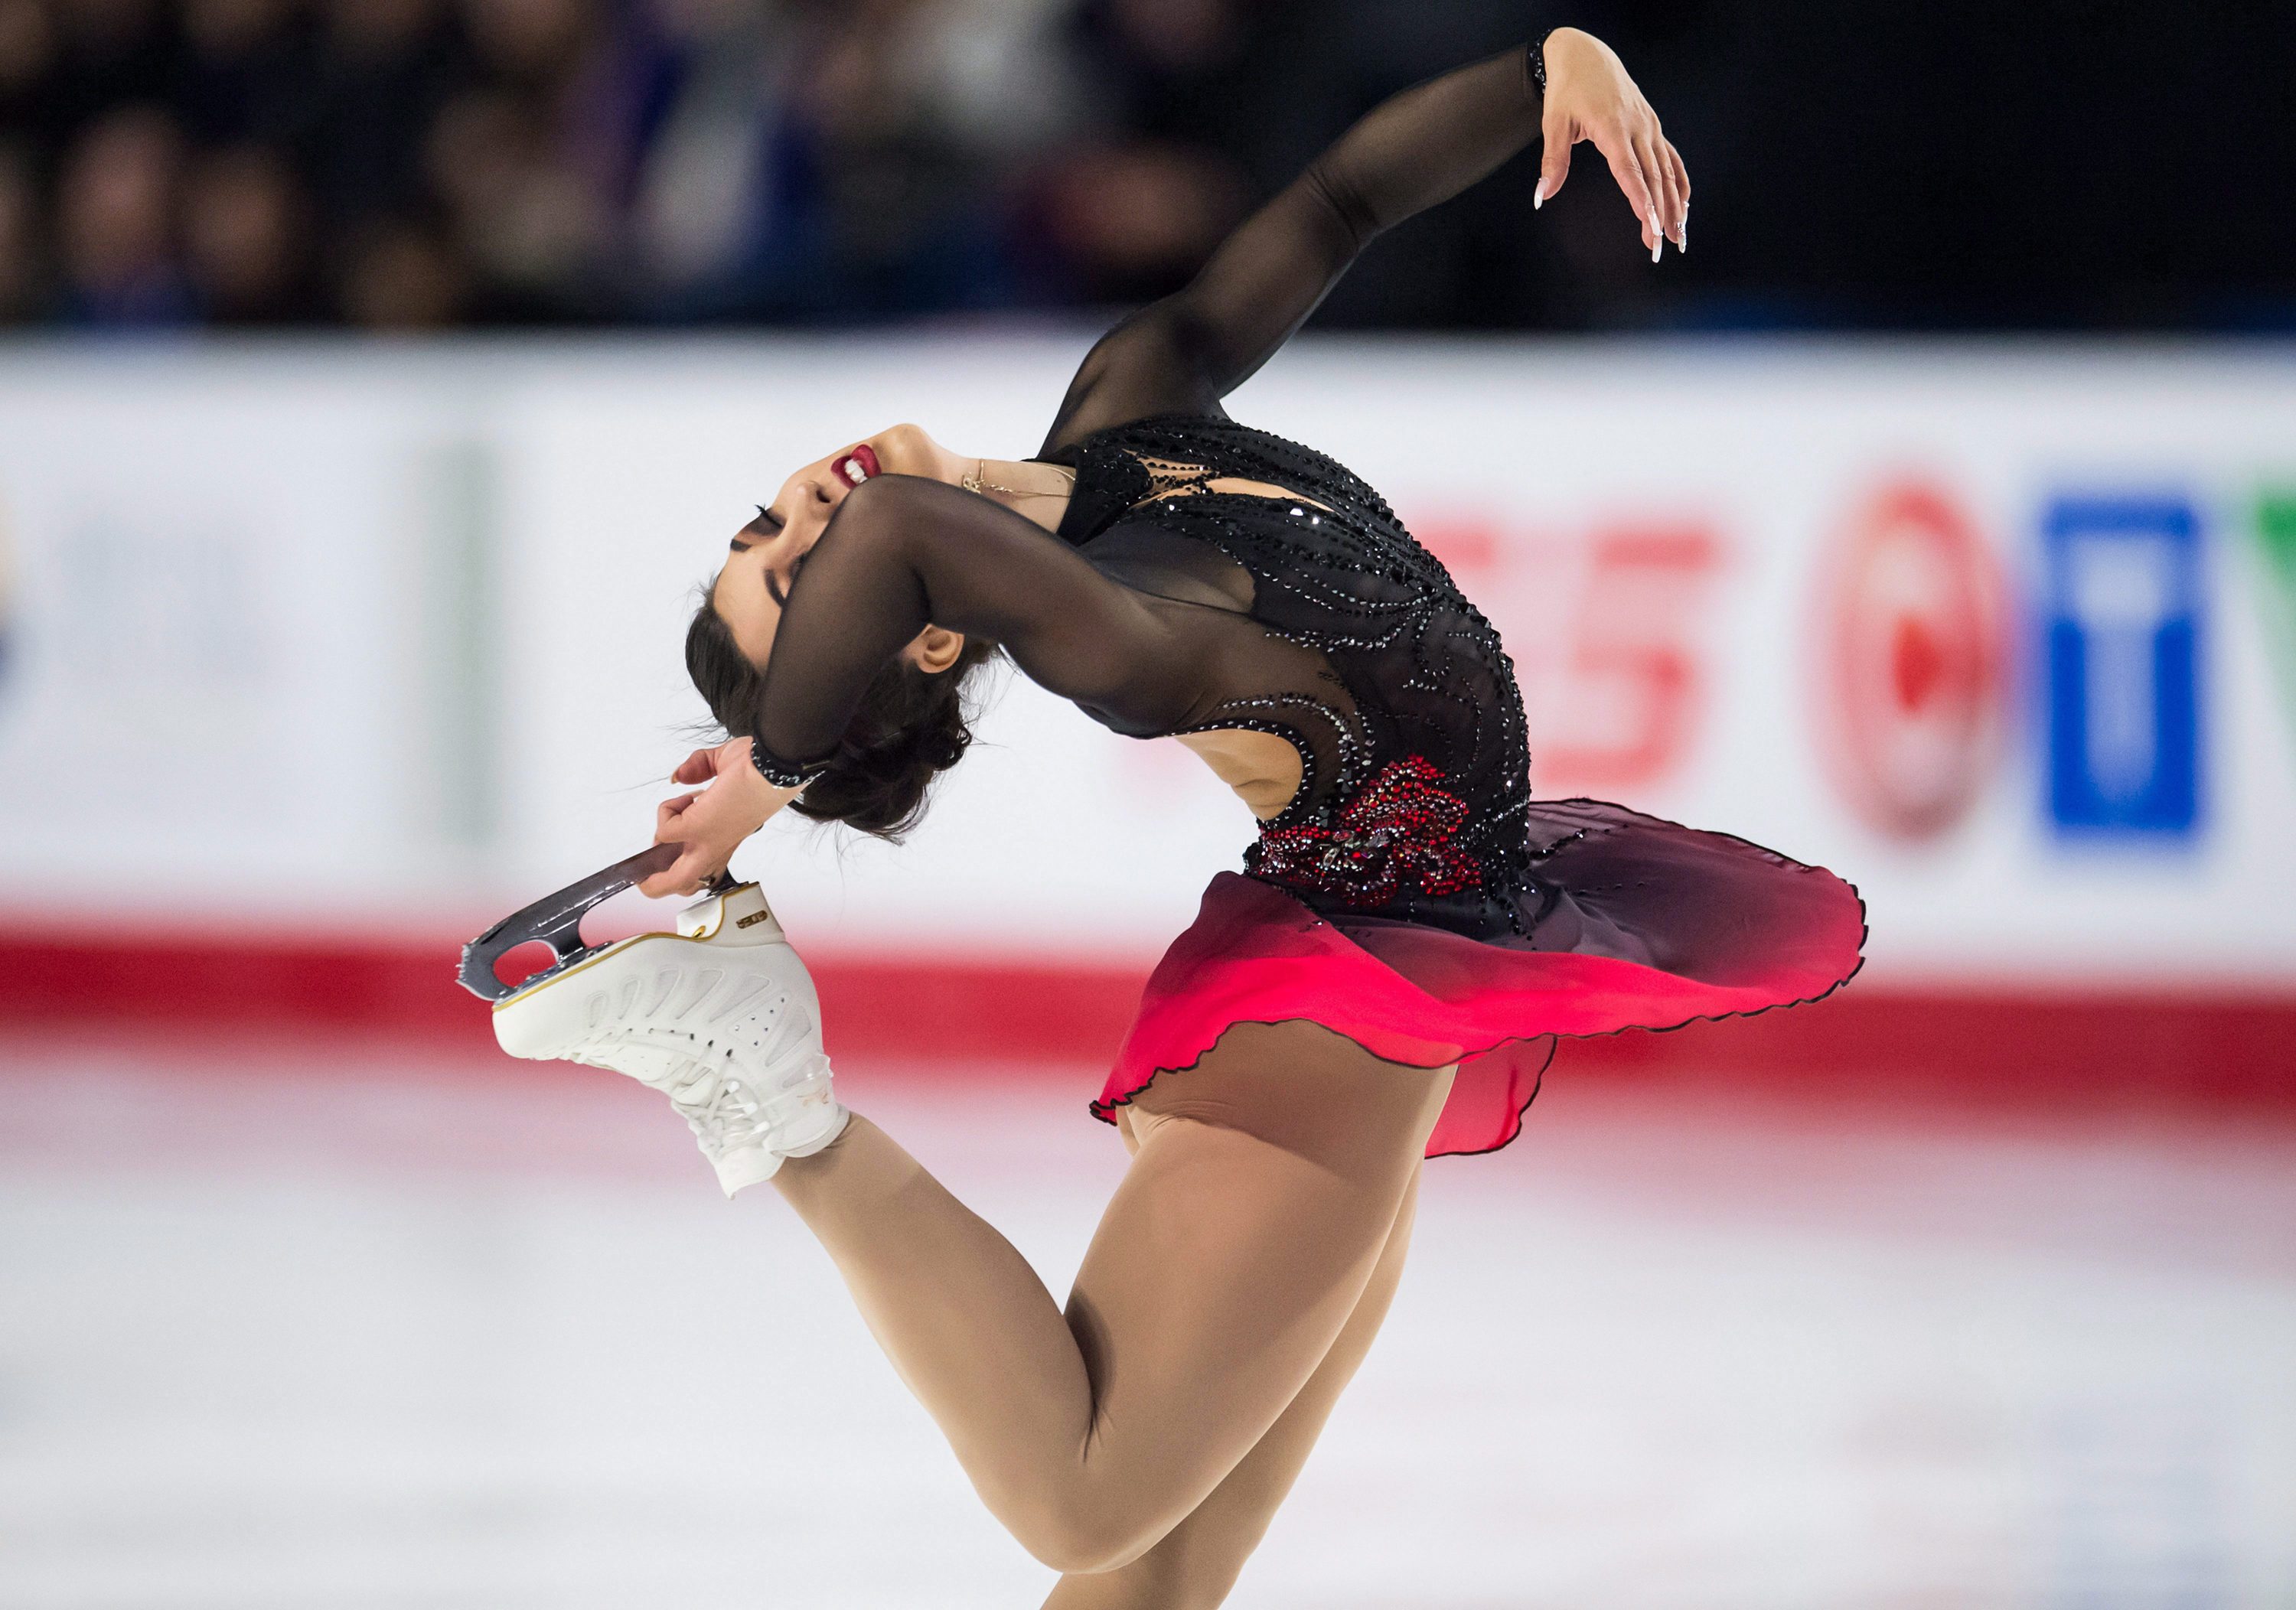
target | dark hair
x=912, y=726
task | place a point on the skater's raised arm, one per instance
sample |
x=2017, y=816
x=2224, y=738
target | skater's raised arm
x=1419, y=148
x=903, y=553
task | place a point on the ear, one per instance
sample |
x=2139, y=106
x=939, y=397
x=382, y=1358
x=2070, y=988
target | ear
x=934, y=649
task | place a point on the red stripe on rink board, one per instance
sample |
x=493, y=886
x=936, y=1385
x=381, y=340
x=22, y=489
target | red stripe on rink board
x=2188, y=1044
x=405, y=989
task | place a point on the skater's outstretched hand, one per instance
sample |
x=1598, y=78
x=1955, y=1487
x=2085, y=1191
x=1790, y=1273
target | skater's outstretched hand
x=710, y=825
x=1589, y=96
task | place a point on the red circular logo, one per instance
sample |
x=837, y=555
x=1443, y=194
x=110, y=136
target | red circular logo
x=1916, y=657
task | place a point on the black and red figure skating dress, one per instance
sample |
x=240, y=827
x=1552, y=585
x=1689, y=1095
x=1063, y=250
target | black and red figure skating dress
x=1414, y=896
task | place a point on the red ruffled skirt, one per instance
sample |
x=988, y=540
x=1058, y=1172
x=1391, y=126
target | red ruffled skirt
x=1632, y=923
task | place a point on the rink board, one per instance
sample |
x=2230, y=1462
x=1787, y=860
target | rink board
x=2008, y=637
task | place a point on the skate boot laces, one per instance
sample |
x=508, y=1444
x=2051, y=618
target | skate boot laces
x=726, y=1114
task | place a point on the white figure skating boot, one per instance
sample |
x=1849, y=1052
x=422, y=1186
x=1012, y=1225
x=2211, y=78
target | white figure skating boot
x=720, y=1017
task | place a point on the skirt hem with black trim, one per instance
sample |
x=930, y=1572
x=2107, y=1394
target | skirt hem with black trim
x=1640, y=923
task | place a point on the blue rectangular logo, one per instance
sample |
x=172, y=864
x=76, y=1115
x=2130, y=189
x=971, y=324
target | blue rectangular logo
x=2121, y=614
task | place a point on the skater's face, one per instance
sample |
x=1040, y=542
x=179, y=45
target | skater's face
x=767, y=554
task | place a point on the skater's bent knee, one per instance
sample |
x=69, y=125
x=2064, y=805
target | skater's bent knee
x=1085, y=1537
x=1078, y=1543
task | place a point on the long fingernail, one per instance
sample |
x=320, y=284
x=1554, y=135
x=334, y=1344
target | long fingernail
x=1538, y=196
x=1657, y=247
x=1682, y=236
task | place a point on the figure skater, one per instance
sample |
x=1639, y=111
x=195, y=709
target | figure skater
x=1383, y=983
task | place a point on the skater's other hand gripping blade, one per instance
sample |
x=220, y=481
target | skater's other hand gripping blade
x=556, y=920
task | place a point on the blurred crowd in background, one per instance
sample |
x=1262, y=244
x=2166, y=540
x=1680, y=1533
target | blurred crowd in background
x=416, y=164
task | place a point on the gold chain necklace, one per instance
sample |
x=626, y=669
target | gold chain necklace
x=978, y=481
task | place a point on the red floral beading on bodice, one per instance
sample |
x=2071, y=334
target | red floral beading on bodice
x=1399, y=834
x=1414, y=763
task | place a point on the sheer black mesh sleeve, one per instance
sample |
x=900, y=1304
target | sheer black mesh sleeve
x=901, y=552
x=1185, y=353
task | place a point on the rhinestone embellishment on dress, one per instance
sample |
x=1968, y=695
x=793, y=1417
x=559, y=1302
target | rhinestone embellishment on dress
x=1416, y=763
x=1400, y=832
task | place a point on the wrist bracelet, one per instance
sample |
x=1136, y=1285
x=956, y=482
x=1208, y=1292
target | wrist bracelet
x=1538, y=61
x=779, y=773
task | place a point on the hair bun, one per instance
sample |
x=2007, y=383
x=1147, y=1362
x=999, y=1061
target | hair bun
x=911, y=726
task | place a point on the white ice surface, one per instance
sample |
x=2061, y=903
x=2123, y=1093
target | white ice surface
x=328, y=1331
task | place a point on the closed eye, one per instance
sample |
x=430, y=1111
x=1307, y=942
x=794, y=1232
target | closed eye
x=773, y=583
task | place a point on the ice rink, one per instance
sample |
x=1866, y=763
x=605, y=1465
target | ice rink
x=317, y=1325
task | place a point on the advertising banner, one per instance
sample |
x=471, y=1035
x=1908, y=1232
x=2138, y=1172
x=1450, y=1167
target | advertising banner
x=230, y=679
x=1986, y=633
x=2007, y=637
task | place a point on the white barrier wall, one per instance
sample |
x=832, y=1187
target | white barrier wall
x=2005, y=636
x=226, y=590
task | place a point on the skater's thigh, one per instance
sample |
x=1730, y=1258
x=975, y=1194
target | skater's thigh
x=1303, y=1088
x=1265, y=1185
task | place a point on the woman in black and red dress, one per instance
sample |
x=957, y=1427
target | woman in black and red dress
x=1385, y=979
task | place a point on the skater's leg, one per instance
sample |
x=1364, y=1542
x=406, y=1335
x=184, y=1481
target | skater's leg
x=1239, y=1243
x=1197, y=1562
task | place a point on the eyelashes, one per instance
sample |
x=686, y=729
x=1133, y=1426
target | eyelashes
x=773, y=522
x=766, y=518
x=774, y=588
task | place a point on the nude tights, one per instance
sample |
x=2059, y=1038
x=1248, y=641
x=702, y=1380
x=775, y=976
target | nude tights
x=1139, y=1441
